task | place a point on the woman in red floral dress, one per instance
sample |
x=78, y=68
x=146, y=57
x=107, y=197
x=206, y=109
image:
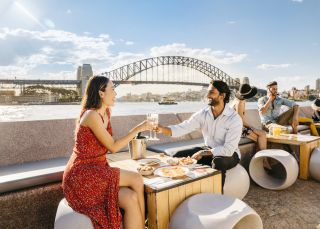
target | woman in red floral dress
x=90, y=185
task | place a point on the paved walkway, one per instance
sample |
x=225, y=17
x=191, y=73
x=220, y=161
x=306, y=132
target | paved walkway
x=297, y=207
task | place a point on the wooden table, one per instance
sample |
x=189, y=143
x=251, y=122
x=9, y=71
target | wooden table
x=165, y=194
x=306, y=144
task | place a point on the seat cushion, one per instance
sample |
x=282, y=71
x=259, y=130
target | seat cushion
x=171, y=148
x=16, y=177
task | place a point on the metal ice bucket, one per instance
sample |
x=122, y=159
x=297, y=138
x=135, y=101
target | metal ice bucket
x=137, y=148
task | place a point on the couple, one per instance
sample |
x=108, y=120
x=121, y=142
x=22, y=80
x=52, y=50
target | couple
x=97, y=190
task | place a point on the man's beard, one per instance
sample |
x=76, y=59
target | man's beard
x=213, y=102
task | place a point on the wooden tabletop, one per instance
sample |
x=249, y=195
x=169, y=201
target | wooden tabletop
x=292, y=139
x=155, y=183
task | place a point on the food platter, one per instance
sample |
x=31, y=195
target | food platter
x=149, y=161
x=171, y=171
x=185, y=161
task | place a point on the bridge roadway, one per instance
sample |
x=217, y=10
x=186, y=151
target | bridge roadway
x=78, y=82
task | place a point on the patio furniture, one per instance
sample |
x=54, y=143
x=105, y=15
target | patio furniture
x=67, y=218
x=287, y=163
x=237, y=182
x=315, y=164
x=306, y=144
x=164, y=194
x=206, y=210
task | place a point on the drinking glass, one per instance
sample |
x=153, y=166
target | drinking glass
x=154, y=120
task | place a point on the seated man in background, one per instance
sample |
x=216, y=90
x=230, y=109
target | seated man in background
x=221, y=128
x=270, y=107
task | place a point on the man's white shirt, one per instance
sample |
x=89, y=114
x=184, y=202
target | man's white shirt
x=221, y=134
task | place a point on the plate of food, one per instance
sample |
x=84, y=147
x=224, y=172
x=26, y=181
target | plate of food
x=149, y=161
x=145, y=170
x=171, y=171
x=187, y=161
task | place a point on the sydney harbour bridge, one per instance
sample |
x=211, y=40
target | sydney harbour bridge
x=178, y=70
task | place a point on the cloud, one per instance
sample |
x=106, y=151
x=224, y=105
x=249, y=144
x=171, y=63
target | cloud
x=300, y=1
x=206, y=54
x=26, y=51
x=129, y=43
x=231, y=22
x=272, y=66
x=69, y=11
x=56, y=54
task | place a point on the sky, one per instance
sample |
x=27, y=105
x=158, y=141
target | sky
x=264, y=40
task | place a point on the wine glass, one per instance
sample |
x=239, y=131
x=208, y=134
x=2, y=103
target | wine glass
x=154, y=120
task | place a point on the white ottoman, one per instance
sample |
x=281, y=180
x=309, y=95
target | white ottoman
x=237, y=182
x=315, y=164
x=67, y=218
x=262, y=178
x=207, y=210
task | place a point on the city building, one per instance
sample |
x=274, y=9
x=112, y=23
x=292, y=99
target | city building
x=318, y=84
x=84, y=72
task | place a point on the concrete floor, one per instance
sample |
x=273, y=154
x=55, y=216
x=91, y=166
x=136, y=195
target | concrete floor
x=297, y=207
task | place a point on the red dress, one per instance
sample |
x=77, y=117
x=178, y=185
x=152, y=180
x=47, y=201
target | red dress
x=89, y=184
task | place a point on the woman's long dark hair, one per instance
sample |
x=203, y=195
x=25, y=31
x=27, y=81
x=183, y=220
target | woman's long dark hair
x=91, y=98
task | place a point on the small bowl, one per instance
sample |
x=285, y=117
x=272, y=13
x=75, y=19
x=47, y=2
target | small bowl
x=173, y=161
x=145, y=170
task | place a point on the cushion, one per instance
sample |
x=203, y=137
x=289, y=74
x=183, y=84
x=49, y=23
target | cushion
x=15, y=177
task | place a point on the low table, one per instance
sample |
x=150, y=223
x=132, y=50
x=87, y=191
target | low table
x=165, y=194
x=306, y=144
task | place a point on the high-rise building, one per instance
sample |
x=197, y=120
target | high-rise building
x=318, y=84
x=245, y=80
x=84, y=72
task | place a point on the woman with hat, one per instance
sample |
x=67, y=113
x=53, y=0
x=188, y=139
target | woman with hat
x=239, y=104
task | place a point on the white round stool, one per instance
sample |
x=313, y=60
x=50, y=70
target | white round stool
x=67, y=218
x=207, y=210
x=237, y=182
x=262, y=178
x=315, y=164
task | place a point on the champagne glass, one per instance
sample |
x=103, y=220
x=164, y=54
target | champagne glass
x=149, y=119
x=155, y=118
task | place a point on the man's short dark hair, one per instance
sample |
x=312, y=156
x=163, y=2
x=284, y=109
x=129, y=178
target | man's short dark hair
x=222, y=87
x=272, y=83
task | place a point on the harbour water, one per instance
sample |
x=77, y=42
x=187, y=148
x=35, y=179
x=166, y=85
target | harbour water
x=14, y=113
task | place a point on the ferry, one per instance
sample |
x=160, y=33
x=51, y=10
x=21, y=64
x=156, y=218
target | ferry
x=167, y=101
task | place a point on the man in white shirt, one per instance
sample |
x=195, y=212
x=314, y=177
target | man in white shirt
x=221, y=128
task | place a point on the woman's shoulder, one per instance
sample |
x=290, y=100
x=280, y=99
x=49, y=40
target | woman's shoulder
x=89, y=116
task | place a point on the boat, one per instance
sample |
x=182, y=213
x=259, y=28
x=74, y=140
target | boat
x=167, y=101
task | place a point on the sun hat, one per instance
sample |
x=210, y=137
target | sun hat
x=246, y=92
x=316, y=105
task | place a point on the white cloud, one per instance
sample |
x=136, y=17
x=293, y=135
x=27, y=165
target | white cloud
x=231, y=22
x=297, y=1
x=129, y=43
x=69, y=11
x=206, y=54
x=272, y=66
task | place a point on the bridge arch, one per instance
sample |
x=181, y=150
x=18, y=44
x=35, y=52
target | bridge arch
x=126, y=72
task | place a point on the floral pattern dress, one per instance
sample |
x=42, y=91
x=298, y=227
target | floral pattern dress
x=89, y=184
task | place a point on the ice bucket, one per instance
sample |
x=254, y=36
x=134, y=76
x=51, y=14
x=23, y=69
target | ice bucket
x=137, y=148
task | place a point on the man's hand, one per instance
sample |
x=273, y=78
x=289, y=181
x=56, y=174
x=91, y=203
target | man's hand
x=198, y=155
